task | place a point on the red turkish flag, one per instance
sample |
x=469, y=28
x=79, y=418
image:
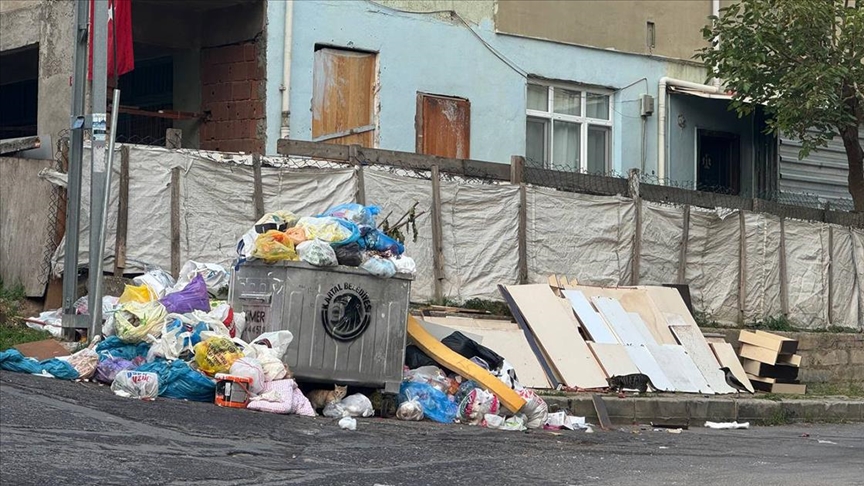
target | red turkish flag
x=119, y=36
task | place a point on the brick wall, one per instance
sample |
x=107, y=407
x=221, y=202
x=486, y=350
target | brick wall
x=232, y=92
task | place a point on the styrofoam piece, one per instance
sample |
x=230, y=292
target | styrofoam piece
x=693, y=341
x=679, y=368
x=644, y=360
x=590, y=318
x=628, y=332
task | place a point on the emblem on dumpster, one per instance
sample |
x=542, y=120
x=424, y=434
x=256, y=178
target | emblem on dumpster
x=346, y=312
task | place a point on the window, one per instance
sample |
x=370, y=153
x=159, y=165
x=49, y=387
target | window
x=568, y=127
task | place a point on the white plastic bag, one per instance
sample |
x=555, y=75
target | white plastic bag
x=358, y=405
x=410, y=410
x=215, y=276
x=404, y=265
x=348, y=423
x=136, y=384
x=158, y=280
x=318, y=253
x=277, y=341
x=535, y=408
x=250, y=368
x=380, y=267
x=334, y=410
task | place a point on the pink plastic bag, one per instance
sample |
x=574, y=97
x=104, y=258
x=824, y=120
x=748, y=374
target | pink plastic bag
x=193, y=297
x=277, y=397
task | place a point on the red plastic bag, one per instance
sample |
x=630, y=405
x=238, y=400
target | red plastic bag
x=193, y=297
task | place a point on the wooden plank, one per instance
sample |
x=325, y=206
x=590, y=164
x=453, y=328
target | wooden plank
x=173, y=138
x=771, y=386
x=784, y=274
x=315, y=150
x=645, y=362
x=437, y=237
x=343, y=95
x=628, y=331
x=551, y=373
x=783, y=372
x=602, y=413
x=355, y=160
x=558, y=332
x=668, y=301
x=742, y=266
x=464, y=366
x=761, y=379
x=591, y=320
x=257, y=188
x=693, y=341
x=443, y=126
x=679, y=368
x=122, y=214
x=613, y=358
x=639, y=300
x=11, y=145
x=762, y=339
x=789, y=359
x=726, y=356
x=756, y=353
x=682, y=246
x=517, y=166
x=175, y=221
x=637, y=239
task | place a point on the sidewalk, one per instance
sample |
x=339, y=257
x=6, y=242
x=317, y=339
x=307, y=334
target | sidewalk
x=694, y=410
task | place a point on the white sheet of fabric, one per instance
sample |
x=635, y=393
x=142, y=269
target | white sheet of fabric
x=306, y=192
x=858, y=263
x=480, y=226
x=397, y=194
x=587, y=237
x=662, y=228
x=712, y=263
x=762, y=266
x=846, y=287
x=807, y=273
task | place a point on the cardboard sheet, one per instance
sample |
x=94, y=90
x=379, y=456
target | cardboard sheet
x=628, y=331
x=614, y=359
x=558, y=333
x=679, y=368
x=693, y=341
x=726, y=356
x=591, y=320
x=644, y=360
x=503, y=337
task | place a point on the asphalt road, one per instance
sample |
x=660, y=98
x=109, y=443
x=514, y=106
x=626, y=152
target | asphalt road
x=56, y=432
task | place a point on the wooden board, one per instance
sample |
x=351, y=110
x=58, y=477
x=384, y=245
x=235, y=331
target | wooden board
x=628, y=332
x=591, y=320
x=784, y=372
x=693, y=341
x=540, y=354
x=768, y=356
x=768, y=385
x=762, y=339
x=640, y=325
x=465, y=367
x=638, y=300
x=644, y=360
x=602, y=413
x=557, y=330
x=789, y=359
x=667, y=300
x=679, y=368
x=614, y=359
x=41, y=350
x=726, y=356
x=506, y=339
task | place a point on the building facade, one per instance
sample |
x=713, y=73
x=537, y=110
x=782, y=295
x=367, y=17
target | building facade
x=595, y=86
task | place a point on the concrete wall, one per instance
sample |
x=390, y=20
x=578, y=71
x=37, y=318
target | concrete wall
x=424, y=53
x=620, y=24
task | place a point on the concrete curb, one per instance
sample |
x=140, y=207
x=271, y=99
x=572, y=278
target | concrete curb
x=695, y=410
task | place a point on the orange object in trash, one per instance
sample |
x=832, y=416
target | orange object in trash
x=232, y=391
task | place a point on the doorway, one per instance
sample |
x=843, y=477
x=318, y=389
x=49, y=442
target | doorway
x=718, y=164
x=443, y=126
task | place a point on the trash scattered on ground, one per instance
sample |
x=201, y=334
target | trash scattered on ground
x=348, y=423
x=136, y=384
x=827, y=442
x=727, y=425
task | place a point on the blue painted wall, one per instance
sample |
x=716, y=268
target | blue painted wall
x=419, y=52
x=275, y=35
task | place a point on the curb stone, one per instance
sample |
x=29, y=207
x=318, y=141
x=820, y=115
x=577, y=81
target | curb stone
x=697, y=409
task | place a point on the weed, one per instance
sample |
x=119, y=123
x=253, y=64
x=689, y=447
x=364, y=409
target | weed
x=770, y=323
x=849, y=389
x=703, y=319
x=781, y=416
x=14, y=334
x=493, y=307
x=10, y=303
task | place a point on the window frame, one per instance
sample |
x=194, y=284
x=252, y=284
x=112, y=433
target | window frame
x=583, y=120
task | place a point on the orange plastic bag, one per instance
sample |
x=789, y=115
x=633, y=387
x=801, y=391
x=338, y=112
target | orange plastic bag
x=274, y=246
x=296, y=235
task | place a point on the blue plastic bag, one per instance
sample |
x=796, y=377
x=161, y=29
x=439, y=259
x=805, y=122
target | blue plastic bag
x=193, y=297
x=178, y=380
x=355, y=213
x=436, y=404
x=113, y=347
x=59, y=369
x=13, y=360
x=378, y=241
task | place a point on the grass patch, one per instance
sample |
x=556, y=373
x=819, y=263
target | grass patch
x=770, y=323
x=12, y=335
x=850, y=389
x=12, y=328
x=781, y=416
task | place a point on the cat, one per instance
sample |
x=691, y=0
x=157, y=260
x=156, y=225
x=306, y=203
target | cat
x=320, y=398
x=636, y=381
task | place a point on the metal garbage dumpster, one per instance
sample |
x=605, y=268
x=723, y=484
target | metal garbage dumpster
x=349, y=327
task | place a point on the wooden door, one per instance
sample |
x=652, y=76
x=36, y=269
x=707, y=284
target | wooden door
x=343, y=97
x=443, y=126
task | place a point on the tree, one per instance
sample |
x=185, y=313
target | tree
x=803, y=60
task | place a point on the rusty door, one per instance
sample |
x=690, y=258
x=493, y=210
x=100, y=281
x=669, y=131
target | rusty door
x=343, y=97
x=443, y=126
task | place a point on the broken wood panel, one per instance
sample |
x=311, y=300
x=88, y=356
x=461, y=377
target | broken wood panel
x=25, y=212
x=679, y=368
x=557, y=330
x=628, y=332
x=343, y=96
x=591, y=320
x=726, y=356
x=784, y=372
x=693, y=341
x=644, y=360
x=614, y=359
x=757, y=353
x=636, y=300
x=443, y=126
x=779, y=344
x=602, y=413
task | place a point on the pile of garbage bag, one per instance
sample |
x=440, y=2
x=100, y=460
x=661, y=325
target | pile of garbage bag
x=431, y=392
x=343, y=235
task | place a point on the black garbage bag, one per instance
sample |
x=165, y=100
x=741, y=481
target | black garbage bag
x=415, y=358
x=469, y=348
x=349, y=255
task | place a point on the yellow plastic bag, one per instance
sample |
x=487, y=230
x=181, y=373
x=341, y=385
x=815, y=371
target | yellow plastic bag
x=141, y=293
x=327, y=229
x=216, y=355
x=274, y=246
x=134, y=321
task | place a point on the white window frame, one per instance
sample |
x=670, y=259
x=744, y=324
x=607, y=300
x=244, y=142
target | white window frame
x=583, y=120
